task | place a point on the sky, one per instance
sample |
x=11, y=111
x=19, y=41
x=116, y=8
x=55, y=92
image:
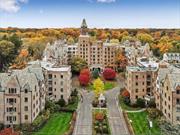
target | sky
x=98, y=13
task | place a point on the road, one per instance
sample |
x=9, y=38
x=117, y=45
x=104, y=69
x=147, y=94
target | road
x=83, y=124
x=116, y=118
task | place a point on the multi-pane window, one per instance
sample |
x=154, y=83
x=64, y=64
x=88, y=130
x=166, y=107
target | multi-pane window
x=12, y=90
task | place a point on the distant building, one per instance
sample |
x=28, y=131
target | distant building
x=172, y=57
x=97, y=54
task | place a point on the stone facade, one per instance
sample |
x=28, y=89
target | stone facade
x=172, y=57
x=167, y=94
x=22, y=95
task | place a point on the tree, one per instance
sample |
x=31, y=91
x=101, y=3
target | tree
x=6, y=53
x=116, y=41
x=144, y=38
x=61, y=102
x=164, y=44
x=121, y=60
x=109, y=74
x=85, y=72
x=70, y=41
x=77, y=64
x=16, y=41
x=95, y=73
x=140, y=102
x=21, y=60
x=84, y=80
x=98, y=86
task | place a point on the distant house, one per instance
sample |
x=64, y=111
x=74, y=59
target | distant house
x=172, y=57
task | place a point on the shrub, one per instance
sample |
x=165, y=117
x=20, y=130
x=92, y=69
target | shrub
x=126, y=100
x=95, y=102
x=99, y=116
x=74, y=92
x=154, y=113
x=125, y=93
x=140, y=102
x=109, y=74
x=152, y=104
x=95, y=73
x=61, y=102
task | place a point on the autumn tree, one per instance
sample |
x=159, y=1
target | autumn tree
x=144, y=38
x=77, y=64
x=121, y=60
x=164, y=44
x=84, y=77
x=98, y=86
x=109, y=74
x=21, y=60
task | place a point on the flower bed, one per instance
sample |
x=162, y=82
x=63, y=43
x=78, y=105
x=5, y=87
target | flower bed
x=100, y=122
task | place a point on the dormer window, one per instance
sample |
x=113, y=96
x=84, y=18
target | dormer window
x=12, y=90
x=26, y=91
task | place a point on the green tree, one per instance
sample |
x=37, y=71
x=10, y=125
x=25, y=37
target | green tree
x=77, y=64
x=144, y=38
x=6, y=53
x=95, y=73
x=16, y=41
x=36, y=50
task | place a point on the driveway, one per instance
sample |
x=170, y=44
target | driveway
x=116, y=119
x=83, y=124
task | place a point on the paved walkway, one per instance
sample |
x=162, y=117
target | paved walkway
x=136, y=111
x=116, y=119
x=83, y=124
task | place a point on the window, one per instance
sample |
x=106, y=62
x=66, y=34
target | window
x=61, y=96
x=26, y=117
x=178, y=118
x=136, y=76
x=50, y=88
x=142, y=83
x=136, y=97
x=54, y=76
x=26, y=108
x=61, y=76
x=54, y=83
x=177, y=109
x=25, y=99
x=169, y=98
x=11, y=100
x=26, y=91
x=12, y=90
x=136, y=90
x=178, y=92
x=61, y=89
x=50, y=76
x=177, y=101
x=167, y=88
x=136, y=84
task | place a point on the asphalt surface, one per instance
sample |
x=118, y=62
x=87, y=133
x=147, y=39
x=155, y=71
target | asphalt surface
x=83, y=124
x=115, y=115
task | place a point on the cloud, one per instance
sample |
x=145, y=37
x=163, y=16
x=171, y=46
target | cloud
x=11, y=6
x=106, y=1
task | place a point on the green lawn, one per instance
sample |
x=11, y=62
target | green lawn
x=126, y=107
x=140, y=124
x=58, y=124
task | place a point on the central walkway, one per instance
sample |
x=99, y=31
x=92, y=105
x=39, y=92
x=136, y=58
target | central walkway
x=116, y=118
x=84, y=119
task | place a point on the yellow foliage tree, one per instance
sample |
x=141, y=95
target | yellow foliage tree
x=98, y=86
